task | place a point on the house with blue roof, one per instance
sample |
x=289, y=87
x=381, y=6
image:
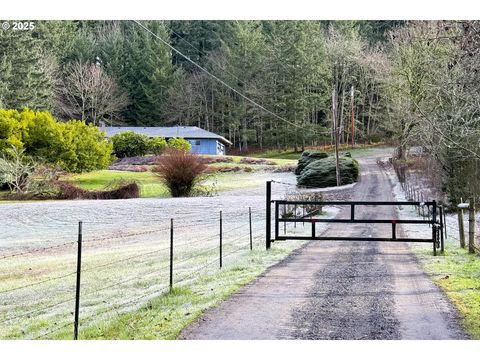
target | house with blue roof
x=203, y=141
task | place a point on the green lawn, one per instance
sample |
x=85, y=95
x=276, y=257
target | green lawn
x=458, y=274
x=150, y=185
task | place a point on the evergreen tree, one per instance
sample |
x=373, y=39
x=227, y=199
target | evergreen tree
x=24, y=81
x=143, y=66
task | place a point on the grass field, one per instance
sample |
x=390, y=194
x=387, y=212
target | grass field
x=358, y=151
x=150, y=185
x=124, y=292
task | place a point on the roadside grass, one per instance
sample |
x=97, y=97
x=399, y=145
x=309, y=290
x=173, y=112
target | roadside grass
x=457, y=273
x=164, y=317
x=103, y=317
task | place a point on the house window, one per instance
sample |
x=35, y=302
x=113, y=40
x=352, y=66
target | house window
x=195, y=142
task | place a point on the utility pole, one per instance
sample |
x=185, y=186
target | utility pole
x=335, y=127
x=352, y=93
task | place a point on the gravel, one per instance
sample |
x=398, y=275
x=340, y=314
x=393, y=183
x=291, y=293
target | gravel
x=339, y=290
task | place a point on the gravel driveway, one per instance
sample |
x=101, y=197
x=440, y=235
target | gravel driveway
x=339, y=290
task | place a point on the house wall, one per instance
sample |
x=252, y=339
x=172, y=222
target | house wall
x=207, y=146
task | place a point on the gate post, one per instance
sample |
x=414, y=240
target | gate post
x=434, y=227
x=442, y=224
x=461, y=229
x=171, y=255
x=471, y=226
x=77, y=287
x=268, y=212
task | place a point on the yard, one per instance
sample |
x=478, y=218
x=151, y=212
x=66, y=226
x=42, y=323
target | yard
x=219, y=181
x=125, y=268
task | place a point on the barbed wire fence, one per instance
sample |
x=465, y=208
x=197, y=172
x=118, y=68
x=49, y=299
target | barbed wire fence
x=179, y=253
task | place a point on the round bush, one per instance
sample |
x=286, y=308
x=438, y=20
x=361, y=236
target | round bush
x=130, y=143
x=157, y=146
x=179, y=144
x=322, y=173
x=307, y=157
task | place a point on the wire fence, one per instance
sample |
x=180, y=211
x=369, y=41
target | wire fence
x=46, y=289
x=414, y=191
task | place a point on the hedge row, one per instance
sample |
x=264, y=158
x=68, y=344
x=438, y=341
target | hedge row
x=130, y=144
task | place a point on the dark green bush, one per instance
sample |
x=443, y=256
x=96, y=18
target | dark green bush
x=321, y=173
x=130, y=143
x=307, y=157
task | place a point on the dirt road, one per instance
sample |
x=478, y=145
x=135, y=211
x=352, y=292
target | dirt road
x=339, y=290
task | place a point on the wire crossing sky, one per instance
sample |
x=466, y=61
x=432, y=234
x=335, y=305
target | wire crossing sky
x=221, y=81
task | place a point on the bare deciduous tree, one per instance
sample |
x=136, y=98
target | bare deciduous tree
x=89, y=94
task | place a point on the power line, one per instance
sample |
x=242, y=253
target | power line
x=221, y=81
x=205, y=53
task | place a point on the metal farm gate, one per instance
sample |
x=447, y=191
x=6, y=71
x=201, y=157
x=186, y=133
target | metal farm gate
x=435, y=220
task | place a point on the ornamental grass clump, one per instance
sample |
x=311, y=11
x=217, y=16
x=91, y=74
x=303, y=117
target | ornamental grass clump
x=180, y=171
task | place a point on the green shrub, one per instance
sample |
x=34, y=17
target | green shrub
x=73, y=145
x=10, y=134
x=179, y=144
x=42, y=136
x=307, y=157
x=130, y=143
x=157, y=146
x=322, y=173
x=85, y=148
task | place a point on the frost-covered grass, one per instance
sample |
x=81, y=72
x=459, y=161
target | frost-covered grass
x=125, y=276
x=360, y=150
x=456, y=271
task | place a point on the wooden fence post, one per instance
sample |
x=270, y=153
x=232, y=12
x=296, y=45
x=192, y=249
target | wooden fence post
x=471, y=226
x=461, y=229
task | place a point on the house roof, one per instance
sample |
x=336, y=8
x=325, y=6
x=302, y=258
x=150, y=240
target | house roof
x=187, y=132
